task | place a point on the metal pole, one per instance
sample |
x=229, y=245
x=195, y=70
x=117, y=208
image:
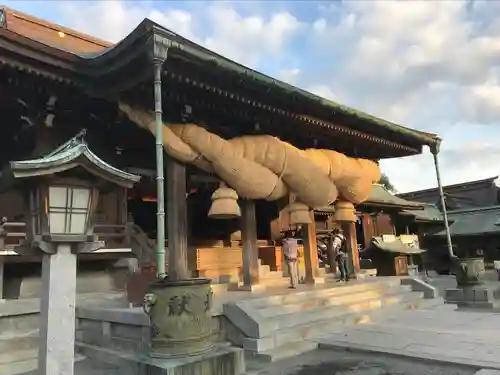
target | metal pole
x=435, y=151
x=160, y=180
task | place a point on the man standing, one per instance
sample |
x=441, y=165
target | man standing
x=340, y=254
x=290, y=253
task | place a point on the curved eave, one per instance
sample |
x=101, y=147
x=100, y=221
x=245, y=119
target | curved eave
x=160, y=37
x=78, y=156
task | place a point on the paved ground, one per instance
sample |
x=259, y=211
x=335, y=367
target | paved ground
x=85, y=367
x=327, y=362
x=440, y=333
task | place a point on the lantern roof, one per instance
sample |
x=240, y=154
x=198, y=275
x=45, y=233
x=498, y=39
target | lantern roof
x=74, y=153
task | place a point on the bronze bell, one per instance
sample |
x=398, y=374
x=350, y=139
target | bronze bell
x=224, y=204
x=299, y=213
x=344, y=211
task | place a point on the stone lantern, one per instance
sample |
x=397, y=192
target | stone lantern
x=62, y=191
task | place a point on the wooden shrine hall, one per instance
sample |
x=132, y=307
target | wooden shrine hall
x=242, y=149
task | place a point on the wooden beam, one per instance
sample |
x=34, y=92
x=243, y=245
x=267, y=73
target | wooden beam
x=177, y=220
x=249, y=239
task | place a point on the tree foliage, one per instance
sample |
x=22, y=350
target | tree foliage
x=385, y=182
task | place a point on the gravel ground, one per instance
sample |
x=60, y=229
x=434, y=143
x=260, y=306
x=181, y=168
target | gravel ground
x=327, y=362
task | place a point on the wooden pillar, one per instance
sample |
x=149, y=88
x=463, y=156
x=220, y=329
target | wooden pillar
x=177, y=221
x=352, y=246
x=1, y=277
x=310, y=251
x=249, y=239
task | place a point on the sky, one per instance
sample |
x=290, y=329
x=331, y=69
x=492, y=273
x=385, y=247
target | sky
x=429, y=65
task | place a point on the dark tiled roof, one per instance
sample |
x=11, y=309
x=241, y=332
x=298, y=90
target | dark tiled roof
x=476, y=221
x=429, y=212
x=383, y=197
x=380, y=196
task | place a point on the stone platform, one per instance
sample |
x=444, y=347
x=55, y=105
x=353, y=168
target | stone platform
x=221, y=360
x=483, y=297
x=269, y=325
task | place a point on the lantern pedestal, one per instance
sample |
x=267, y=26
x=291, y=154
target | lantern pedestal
x=56, y=353
x=57, y=309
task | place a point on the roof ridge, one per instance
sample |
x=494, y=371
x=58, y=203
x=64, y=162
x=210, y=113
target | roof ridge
x=449, y=186
x=475, y=209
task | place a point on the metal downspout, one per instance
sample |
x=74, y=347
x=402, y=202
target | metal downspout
x=160, y=179
x=435, y=150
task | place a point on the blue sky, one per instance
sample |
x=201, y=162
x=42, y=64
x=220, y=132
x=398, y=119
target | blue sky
x=432, y=65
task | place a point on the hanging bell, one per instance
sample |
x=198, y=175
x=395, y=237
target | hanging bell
x=344, y=211
x=299, y=214
x=224, y=204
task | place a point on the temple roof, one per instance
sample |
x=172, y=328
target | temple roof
x=92, y=58
x=71, y=154
x=380, y=196
x=395, y=247
x=473, y=222
x=427, y=213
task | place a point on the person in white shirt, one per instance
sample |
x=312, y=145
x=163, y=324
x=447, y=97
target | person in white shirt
x=290, y=252
x=340, y=254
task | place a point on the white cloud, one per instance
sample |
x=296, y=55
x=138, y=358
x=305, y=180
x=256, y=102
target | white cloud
x=324, y=91
x=219, y=27
x=290, y=76
x=429, y=64
x=249, y=39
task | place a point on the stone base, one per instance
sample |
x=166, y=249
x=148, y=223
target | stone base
x=236, y=287
x=474, y=297
x=313, y=281
x=221, y=360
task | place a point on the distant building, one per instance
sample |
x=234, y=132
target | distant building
x=474, y=212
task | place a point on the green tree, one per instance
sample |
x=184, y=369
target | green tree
x=385, y=182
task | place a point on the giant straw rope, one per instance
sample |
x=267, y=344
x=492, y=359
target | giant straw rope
x=264, y=167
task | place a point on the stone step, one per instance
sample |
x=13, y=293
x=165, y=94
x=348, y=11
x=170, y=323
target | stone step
x=273, y=275
x=321, y=313
x=23, y=361
x=297, y=327
x=18, y=356
x=328, y=290
x=283, y=352
x=292, y=346
x=264, y=269
x=19, y=367
x=325, y=301
x=10, y=346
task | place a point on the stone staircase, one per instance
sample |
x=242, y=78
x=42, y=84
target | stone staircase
x=285, y=325
x=19, y=321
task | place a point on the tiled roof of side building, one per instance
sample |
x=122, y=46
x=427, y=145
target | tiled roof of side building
x=473, y=222
x=50, y=33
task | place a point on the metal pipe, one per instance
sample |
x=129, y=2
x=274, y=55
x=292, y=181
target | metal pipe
x=160, y=180
x=435, y=151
